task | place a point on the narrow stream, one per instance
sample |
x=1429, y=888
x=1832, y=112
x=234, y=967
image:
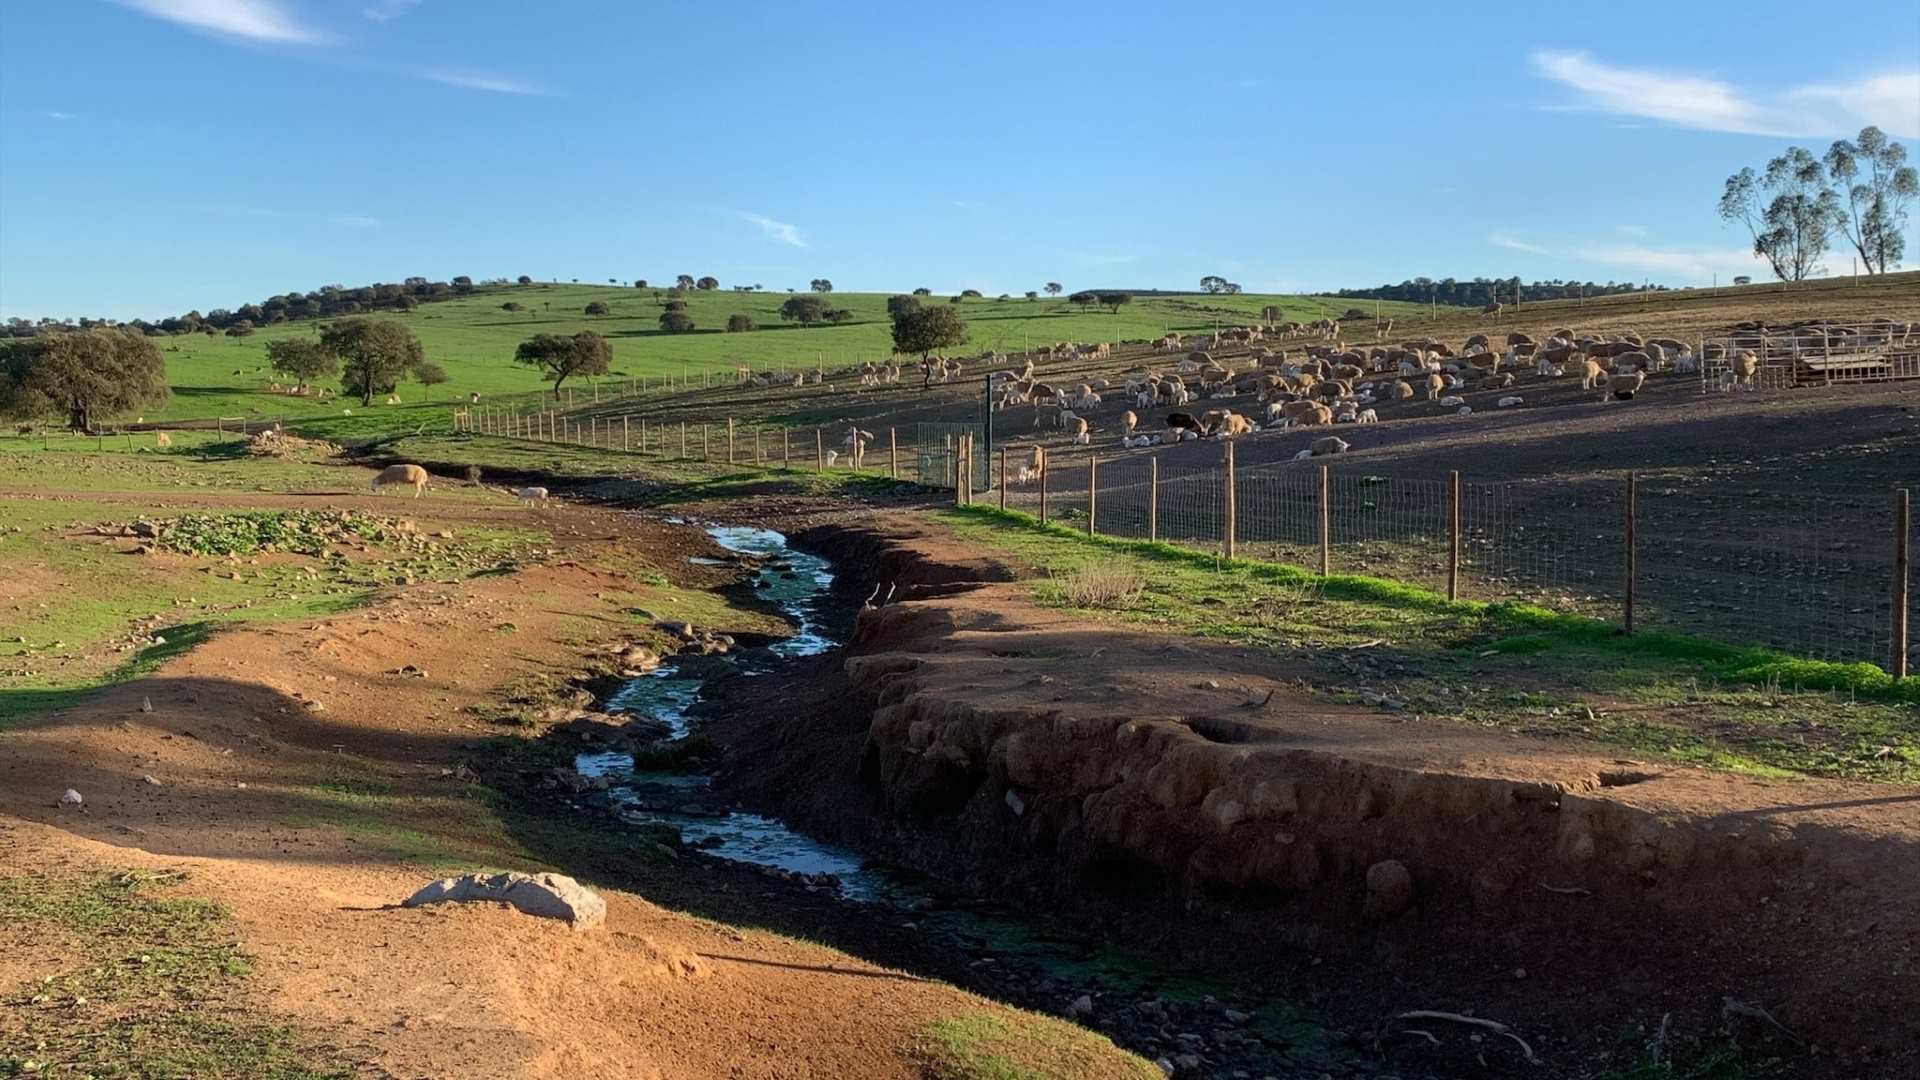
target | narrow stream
x=794, y=581
x=1164, y=1012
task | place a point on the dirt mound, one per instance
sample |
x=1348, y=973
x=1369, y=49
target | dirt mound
x=278, y=444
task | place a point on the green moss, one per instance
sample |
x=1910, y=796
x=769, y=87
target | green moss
x=992, y=1046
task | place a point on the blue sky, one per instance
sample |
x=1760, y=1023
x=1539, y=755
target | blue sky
x=161, y=155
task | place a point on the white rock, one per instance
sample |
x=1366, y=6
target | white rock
x=71, y=798
x=1464, y=410
x=1510, y=401
x=549, y=896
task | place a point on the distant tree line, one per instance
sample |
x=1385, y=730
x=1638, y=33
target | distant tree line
x=1483, y=291
x=326, y=302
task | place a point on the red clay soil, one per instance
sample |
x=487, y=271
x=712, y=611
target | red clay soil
x=1194, y=794
x=259, y=739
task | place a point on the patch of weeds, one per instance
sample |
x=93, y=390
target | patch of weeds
x=1099, y=585
x=303, y=532
x=987, y=1046
x=159, y=995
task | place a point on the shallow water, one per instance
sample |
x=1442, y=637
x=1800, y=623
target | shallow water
x=794, y=581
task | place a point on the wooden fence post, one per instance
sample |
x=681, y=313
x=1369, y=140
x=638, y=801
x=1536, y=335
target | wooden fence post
x=1902, y=558
x=729, y=440
x=1153, y=497
x=683, y=438
x=1232, y=529
x=1043, y=486
x=959, y=472
x=626, y=432
x=819, y=451
x=1633, y=495
x=786, y=447
x=706, y=442
x=1003, y=477
x=1326, y=521
x=893, y=454
x=1093, y=491
x=758, y=457
x=1453, y=535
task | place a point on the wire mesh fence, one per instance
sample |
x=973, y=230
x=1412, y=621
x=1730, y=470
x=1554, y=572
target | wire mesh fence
x=1811, y=573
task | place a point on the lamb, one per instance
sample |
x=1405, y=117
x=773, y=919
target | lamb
x=1367, y=416
x=1080, y=431
x=1402, y=391
x=1435, y=384
x=161, y=438
x=401, y=475
x=1232, y=425
x=1746, y=366
x=531, y=495
x=1128, y=421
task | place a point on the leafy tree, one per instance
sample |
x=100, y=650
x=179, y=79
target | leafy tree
x=598, y=307
x=240, y=329
x=676, y=322
x=820, y=284
x=837, y=316
x=303, y=360
x=676, y=305
x=923, y=291
x=899, y=305
x=1054, y=288
x=1032, y=295
x=464, y=284
x=737, y=323
x=684, y=281
x=970, y=294
x=640, y=283
x=429, y=375
x=1789, y=211
x=374, y=354
x=513, y=305
x=405, y=303
x=562, y=356
x=707, y=283
x=805, y=310
x=1113, y=300
x=1084, y=298
x=1742, y=279
x=81, y=375
x=955, y=298
x=1213, y=283
x=524, y=279
x=1876, y=202
x=925, y=329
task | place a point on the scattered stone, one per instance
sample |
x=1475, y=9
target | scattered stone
x=1389, y=888
x=1166, y=1066
x=71, y=798
x=548, y=896
x=1082, y=1006
x=150, y=780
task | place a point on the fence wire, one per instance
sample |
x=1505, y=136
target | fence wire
x=1807, y=573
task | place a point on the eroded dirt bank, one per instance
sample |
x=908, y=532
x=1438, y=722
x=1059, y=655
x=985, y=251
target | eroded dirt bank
x=1193, y=796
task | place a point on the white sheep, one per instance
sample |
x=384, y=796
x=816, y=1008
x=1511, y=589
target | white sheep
x=1451, y=401
x=531, y=495
x=1510, y=401
x=401, y=475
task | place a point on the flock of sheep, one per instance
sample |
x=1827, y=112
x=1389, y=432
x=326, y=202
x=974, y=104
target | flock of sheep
x=1328, y=383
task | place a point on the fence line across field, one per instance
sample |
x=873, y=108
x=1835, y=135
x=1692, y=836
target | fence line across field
x=1818, y=575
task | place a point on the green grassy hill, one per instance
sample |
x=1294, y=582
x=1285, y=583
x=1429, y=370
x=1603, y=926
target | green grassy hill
x=474, y=339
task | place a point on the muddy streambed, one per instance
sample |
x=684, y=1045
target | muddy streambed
x=1194, y=1025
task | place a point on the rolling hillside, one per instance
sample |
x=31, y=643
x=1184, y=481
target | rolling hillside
x=474, y=338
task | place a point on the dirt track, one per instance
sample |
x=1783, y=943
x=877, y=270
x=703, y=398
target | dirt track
x=1133, y=775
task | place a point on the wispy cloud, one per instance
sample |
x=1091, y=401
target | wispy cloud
x=56, y=114
x=248, y=20
x=386, y=10
x=357, y=221
x=776, y=230
x=1511, y=244
x=480, y=80
x=1892, y=101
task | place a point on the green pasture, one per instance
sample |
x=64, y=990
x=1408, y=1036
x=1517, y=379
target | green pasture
x=474, y=339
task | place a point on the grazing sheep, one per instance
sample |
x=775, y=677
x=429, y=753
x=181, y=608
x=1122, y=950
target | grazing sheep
x=393, y=399
x=1233, y=425
x=1079, y=429
x=161, y=438
x=1435, y=383
x=401, y=475
x=473, y=399
x=1180, y=423
x=832, y=456
x=1403, y=391
x=531, y=495
x=1329, y=444
x=1746, y=366
x=1367, y=416
x=1128, y=421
